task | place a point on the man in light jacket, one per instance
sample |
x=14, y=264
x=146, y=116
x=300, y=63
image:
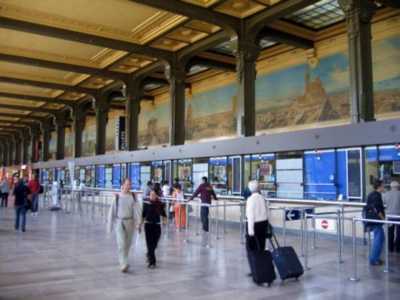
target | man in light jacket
x=392, y=202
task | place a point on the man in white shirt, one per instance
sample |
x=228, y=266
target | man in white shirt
x=257, y=215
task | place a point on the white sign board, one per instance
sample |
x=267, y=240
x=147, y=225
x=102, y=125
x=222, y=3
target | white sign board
x=326, y=225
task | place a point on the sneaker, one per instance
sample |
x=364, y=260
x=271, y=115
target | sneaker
x=125, y=268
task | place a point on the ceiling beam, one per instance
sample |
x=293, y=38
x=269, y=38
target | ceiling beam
x=2, y=126
x=36, y=98
x=390, y=3
x=214, y=64
x=32, y=109
x=19, y=122
x=80, y=37
x=285, y=38
x=48, y=85
x=274, y=12
x=37, y=62
x=228, y=23
x=203, y=45
x=25, y=117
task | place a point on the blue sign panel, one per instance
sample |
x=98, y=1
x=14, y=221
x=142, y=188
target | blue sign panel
x=134, y=175
x=116, y=176
x=100, y=176
x=295, y=214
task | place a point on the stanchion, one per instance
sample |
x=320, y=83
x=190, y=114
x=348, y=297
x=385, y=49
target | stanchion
x=284, y=226
x=306, y=267
x=186, y=240
x=314, y=246
x=241, y=225
x=302, y=230
x=386, y=227
x=354, y=277
x=339, y=236
x=224, y=224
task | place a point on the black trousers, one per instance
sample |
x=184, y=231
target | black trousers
x=204, y=213
x=394, y=238
x=4, y=199
x=152, y=233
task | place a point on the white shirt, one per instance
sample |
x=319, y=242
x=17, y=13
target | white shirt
x=256, y=211
x=128, y=209
x=165, y=190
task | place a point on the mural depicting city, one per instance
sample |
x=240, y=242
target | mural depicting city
x=300, y=95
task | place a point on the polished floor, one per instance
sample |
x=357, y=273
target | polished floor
x=67, y=256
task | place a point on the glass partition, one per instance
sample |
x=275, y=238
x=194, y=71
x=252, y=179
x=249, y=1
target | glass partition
x=182, y=170
x=218, y=174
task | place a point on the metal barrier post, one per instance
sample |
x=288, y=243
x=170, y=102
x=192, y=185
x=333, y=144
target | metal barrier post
x=386, y=228
x=339, y=236
x=306, y=246
x=199, y=220
x=342, y=228
x=284, y=226
x=224, y=224
x=314, y=246
x=354, y=277
x=217, y=237
x=187, y=224
x=242, y=229
x=302, y=211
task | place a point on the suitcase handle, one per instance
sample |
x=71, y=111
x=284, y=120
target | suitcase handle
x=274, y=241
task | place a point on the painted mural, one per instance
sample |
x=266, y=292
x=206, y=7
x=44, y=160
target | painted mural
x=111, y=129
x=69, y=142
x=314, y=93
x=211, y=114
x=386, y=72
x=53, y=145
x=89, y=137
x=154, y=121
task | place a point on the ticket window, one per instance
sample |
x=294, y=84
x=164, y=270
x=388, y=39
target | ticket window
x=263, y=170
x=108, y=177
x=134, y=175
x=389, y=164
x=218, y=174
x=157, y=171
x=145, y=175
x=182, y=171
x=168, y=171
x=67, y=178
x=90, y=176
x=234, y=172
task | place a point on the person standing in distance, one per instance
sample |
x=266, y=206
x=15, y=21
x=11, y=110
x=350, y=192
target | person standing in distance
x=21, y=192
x=206, y=193
x=375, y=210
x=34, y=187
x=392, y=202
x=124, y=215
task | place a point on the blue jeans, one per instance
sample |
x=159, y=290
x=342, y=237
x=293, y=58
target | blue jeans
x=35, y=202
x=204, y=212
x=377, y=244
x=20, y=215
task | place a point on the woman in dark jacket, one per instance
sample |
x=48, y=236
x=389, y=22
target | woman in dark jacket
x=153, y=210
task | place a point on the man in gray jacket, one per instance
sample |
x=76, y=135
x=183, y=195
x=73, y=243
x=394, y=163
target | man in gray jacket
x=392, y=202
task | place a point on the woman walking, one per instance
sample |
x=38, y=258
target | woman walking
x=153, y=210
x=125, y=215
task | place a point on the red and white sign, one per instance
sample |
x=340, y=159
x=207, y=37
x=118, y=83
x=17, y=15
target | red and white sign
x=326, y=225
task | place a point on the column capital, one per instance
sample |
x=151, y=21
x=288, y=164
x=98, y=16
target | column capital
x=365, y=8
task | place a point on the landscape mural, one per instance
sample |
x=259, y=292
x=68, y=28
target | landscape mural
x=211, y=114
x=305, y=94
x=89, y=137
x=154, y=123
x=386, y=64
x=53, y=145
x=69, y=142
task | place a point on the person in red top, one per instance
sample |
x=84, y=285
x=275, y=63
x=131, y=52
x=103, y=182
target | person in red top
x=206, y=192
x=34, y=187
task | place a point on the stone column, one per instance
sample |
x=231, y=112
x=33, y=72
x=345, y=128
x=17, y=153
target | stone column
x=247, y=55
x=45, y=128
x=134, y=94
x=35, y=132
x=18, y=149
x=25, y=147
x=101, y=108
x=61, y=123
x=176, y=75
x=358, y=19
x=79, y=119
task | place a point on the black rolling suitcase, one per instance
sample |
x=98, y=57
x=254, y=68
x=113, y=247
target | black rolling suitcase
x=286, y=260
x=260, y=261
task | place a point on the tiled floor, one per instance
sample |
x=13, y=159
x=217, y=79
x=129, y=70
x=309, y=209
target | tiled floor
x=64, y=256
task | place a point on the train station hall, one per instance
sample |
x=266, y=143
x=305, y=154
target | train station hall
x=199, y=149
